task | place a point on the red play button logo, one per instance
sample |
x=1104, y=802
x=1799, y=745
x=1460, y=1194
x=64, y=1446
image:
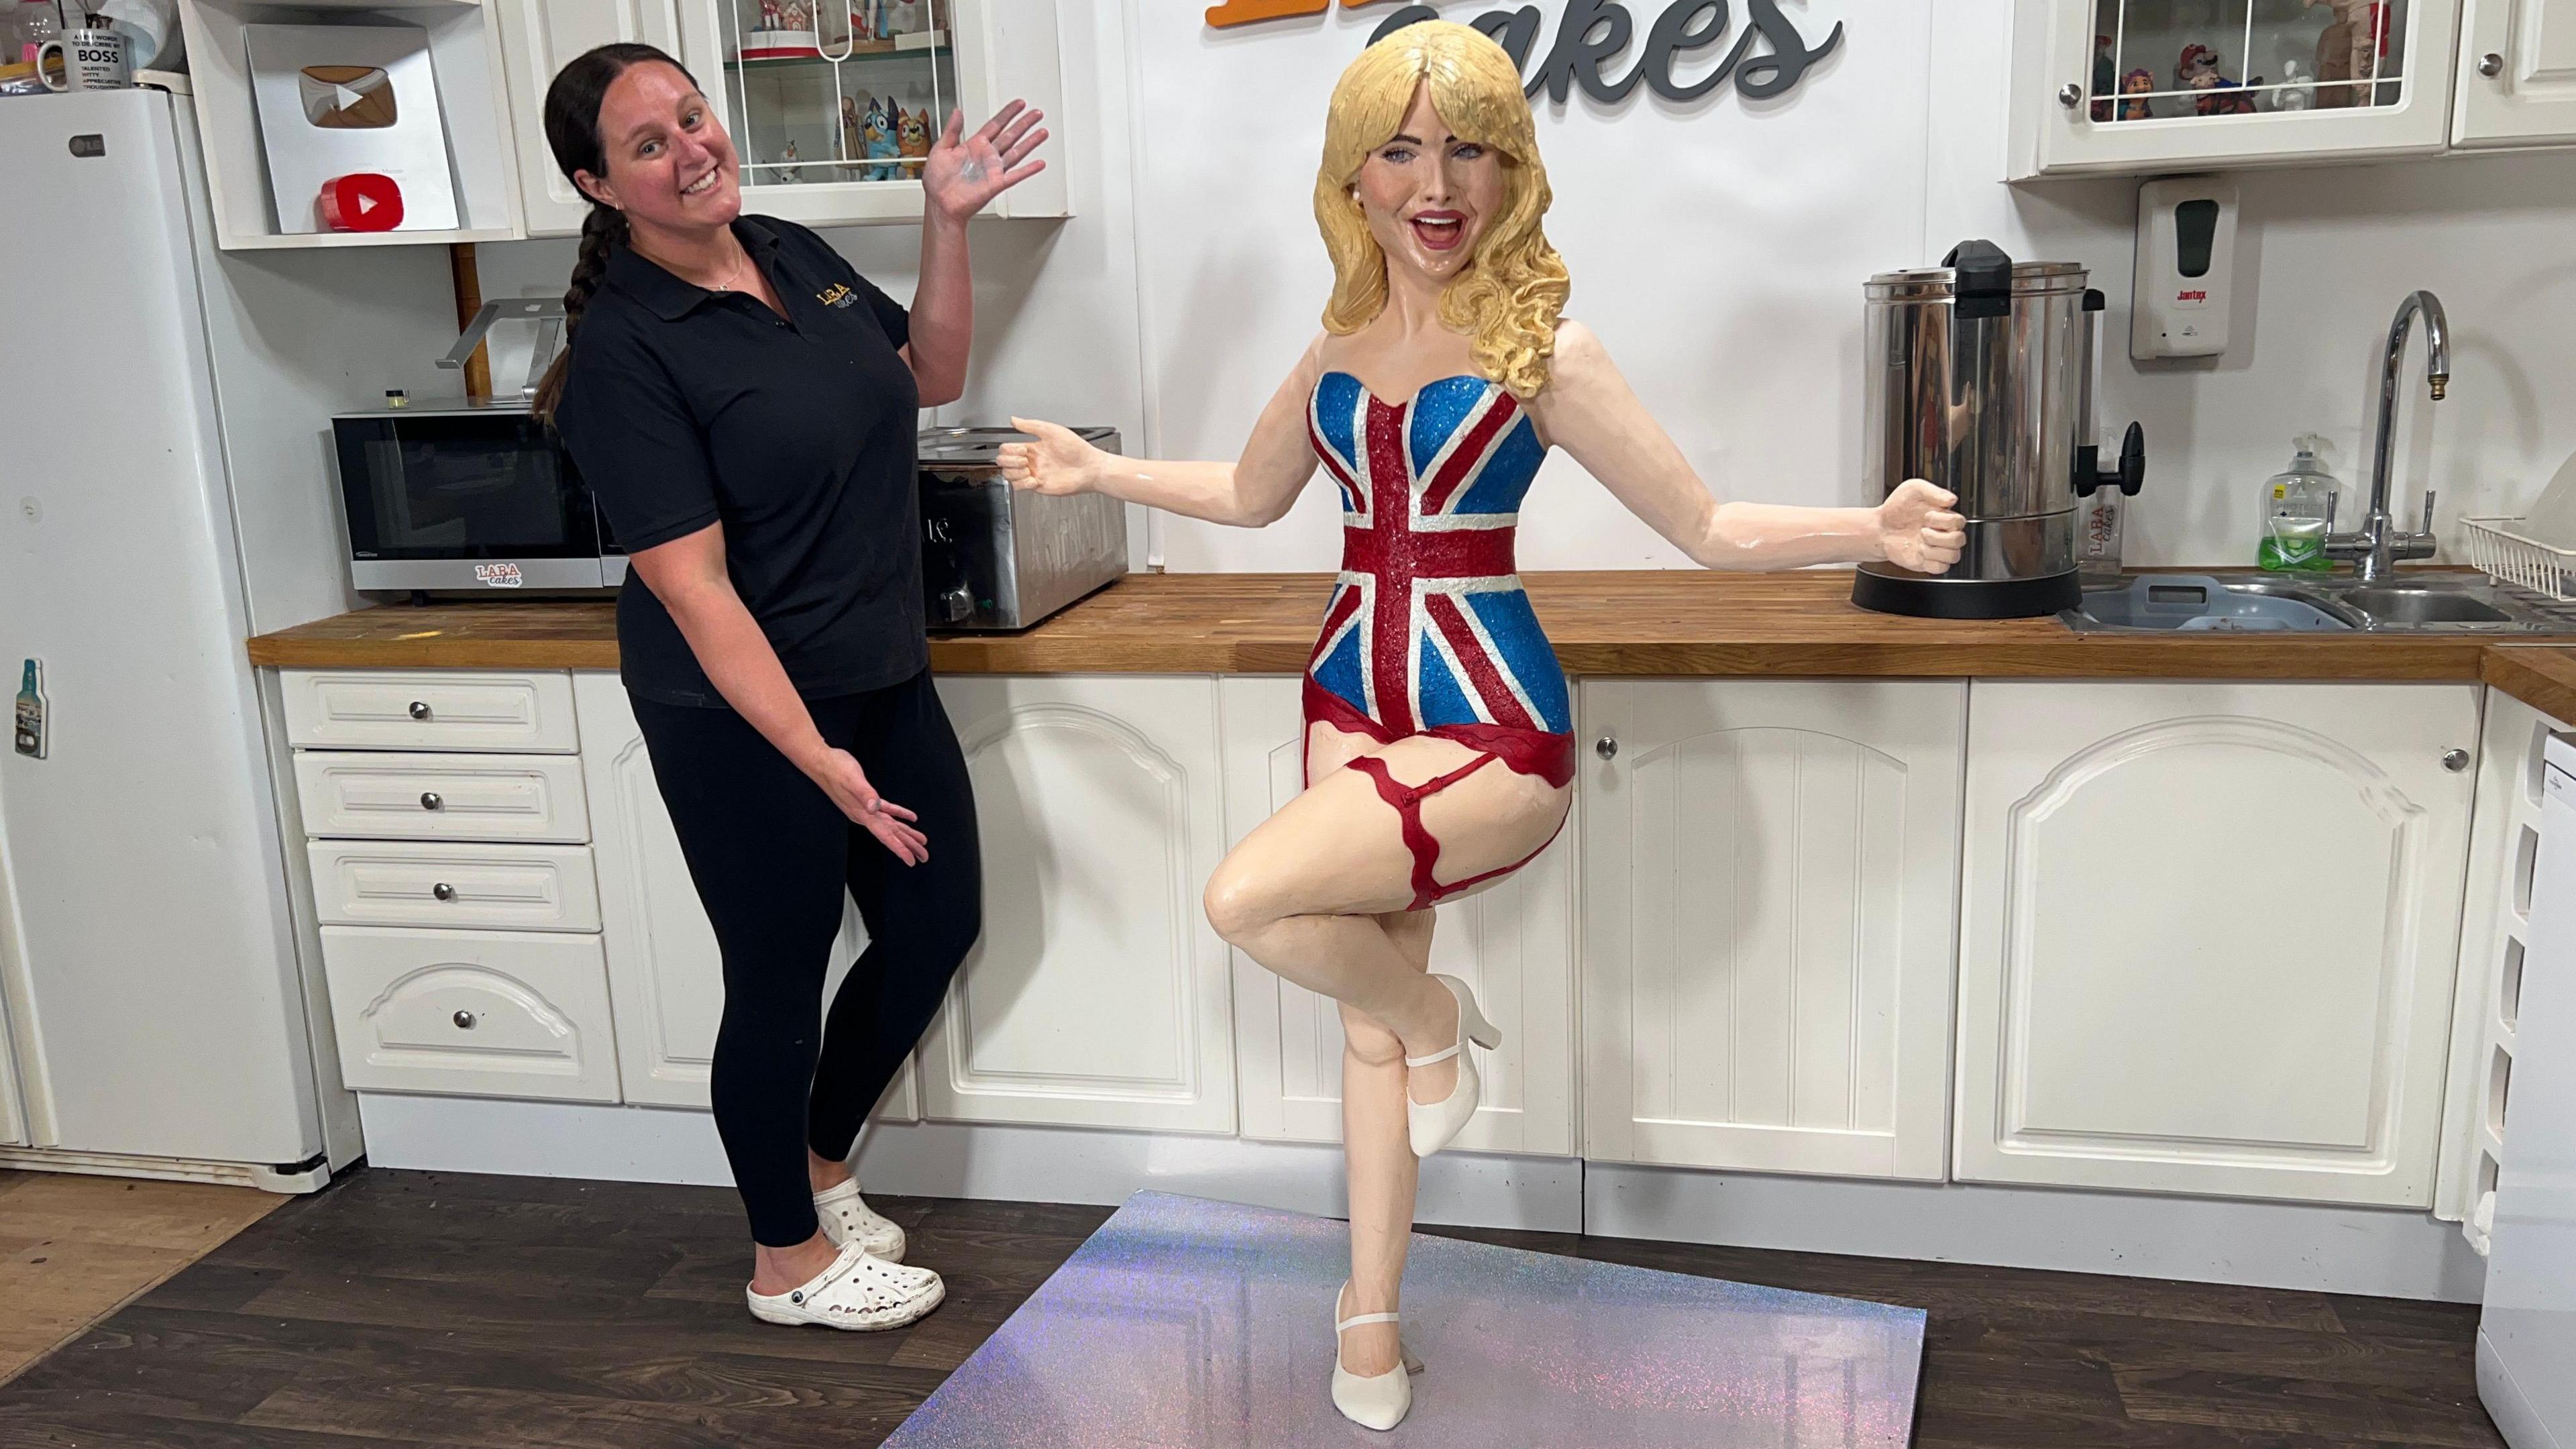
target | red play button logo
x=361, y=201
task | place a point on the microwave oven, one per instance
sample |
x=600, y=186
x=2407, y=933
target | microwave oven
x=467, y=497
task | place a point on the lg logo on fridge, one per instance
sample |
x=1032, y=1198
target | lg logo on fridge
x=1592, y=37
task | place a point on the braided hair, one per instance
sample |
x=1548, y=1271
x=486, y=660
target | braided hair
x=572, y=133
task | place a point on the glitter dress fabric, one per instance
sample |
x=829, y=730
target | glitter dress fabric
x=1428, y=626
x=1186, y=1322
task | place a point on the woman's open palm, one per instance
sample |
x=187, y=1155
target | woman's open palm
x=964, y=173
x=847, y=784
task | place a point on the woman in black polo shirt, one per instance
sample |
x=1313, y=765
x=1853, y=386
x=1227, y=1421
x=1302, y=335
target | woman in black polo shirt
x=744, y=404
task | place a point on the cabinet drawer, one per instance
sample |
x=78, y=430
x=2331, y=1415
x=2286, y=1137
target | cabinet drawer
x=385, y=796
x=512, y=887
x=478, y=1013
x=429, y=710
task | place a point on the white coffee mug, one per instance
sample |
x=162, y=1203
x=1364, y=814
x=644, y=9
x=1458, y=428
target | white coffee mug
x=93, y=60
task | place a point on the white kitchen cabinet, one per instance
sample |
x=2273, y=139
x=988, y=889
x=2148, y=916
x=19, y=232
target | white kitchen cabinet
x=2517, y=73
x=2495, y=928
x=537, y=38
x=2069, y=118
x=1769, y=887
x=2208, y=935
x=1513, y=943
x=1098, y=994
x=973, y=55
x=478, y=1013
x=664, y=972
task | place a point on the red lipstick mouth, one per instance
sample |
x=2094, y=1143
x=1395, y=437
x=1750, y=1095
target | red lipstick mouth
x=1439, y=231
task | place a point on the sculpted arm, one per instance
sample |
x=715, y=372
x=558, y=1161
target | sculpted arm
x=1588, y=409
x=1254, y=490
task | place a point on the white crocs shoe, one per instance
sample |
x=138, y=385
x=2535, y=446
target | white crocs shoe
x=847, y=1218
x=859, y=1291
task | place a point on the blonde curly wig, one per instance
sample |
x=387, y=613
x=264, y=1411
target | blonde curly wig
x=1511, y=291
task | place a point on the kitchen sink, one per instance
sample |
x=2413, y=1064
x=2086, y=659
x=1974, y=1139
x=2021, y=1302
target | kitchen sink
x=2250, y=602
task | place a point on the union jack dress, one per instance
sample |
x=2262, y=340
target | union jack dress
x=1428, y=630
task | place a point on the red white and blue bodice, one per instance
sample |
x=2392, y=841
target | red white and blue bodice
x=1428, y=626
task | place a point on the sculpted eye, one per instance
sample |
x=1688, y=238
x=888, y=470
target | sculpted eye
x=1396, y=155
x=1468, y=151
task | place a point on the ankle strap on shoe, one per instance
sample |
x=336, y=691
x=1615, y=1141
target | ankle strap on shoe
x=1347, y=1324
x=1438, y=1056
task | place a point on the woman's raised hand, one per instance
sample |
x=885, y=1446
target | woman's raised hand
x=1917, y=529
x=1058, y=462
x=964, y=173
x=847, y=784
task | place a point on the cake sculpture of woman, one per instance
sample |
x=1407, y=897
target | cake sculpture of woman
x=1439, y=747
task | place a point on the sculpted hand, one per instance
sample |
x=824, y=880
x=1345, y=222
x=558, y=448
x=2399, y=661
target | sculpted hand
x=1058, y=462
x=1917, y=529
x=847, y=784
x=964, y=173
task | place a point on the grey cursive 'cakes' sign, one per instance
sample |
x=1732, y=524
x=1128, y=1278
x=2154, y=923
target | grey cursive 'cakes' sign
x=1766, y=56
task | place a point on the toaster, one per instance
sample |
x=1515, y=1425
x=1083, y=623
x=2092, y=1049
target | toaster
x=997, y=558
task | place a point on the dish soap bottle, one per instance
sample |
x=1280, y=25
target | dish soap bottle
x=2298, y=509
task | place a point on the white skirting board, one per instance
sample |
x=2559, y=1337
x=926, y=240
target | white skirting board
x=948, y=1159
x=2372, y=1251
x=2378, y=1252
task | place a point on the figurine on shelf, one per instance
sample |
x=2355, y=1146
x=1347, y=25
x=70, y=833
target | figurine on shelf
x=902, y=17
x=2197, y=70
x=2349, y=51
x=2106, y=77
x=2138, y=83
x=788, y=169
x=2294, y=93
x=879, y=134
x=769, y=16
x=853, y=138
x=912, y=138
x=794, y=17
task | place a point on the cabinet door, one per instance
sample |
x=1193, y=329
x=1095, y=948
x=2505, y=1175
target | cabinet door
x=473, y=1013
x=1513, y=943
x=2209, y=932
x=1098, y=993
x=2096, y=89
x=537, y=38
x=2517, y=73
x=665, y=975
x=1770, y=875
x=811, y=83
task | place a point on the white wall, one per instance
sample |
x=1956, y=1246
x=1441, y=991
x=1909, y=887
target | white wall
x=1720, y=249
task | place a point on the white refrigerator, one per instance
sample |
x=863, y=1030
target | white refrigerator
x=160, y=1015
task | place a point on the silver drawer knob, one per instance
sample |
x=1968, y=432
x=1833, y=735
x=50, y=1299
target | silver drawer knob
x=2071, y=95
x=429, y=800
x=2490, y=65
x=419, y=709
x=2455, y=760
x=1607, y=747
x=464, y=1020
x=443, y=891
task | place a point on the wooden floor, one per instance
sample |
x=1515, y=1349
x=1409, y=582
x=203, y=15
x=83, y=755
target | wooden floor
x=441, y=1310
x=74, y=1248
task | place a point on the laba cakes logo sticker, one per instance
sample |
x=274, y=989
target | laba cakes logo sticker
x=498, y=575
x=1591, y=36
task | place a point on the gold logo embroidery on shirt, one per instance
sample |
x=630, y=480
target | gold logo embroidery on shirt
x=836, y=295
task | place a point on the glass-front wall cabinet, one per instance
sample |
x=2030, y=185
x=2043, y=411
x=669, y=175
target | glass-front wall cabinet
x=833, y=104
x=2137, y=85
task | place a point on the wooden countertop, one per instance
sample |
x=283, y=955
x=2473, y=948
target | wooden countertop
x=1637, y=622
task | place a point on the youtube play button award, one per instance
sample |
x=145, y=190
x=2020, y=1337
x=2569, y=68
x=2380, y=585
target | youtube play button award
x=349, y=116
x=362, y=201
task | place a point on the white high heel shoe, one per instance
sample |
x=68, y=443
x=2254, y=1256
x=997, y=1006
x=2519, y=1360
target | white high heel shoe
x=1431, y=1125
x=1376, y=1401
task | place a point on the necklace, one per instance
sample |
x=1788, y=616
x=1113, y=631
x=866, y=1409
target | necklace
x=740, y=256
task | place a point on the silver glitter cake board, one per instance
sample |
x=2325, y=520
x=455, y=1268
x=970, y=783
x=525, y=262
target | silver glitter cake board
x=1190, y=1324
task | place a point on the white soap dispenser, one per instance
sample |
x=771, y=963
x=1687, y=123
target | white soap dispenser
x=2186, y=268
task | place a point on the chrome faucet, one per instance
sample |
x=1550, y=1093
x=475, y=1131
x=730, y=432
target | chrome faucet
x=2375, y=550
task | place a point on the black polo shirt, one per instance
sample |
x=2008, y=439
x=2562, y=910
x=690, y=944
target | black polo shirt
x=684, y=407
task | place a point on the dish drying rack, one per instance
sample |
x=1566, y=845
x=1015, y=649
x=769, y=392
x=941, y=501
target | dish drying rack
x=2508, y=556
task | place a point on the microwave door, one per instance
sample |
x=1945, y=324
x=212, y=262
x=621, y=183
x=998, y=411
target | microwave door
x=463, y=501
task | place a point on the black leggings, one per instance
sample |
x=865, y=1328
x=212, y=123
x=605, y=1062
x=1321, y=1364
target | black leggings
x=770, y=855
